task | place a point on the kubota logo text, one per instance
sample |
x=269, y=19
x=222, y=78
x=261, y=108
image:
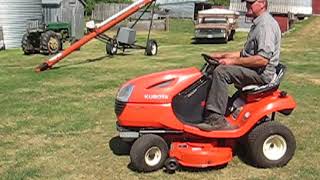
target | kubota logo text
x=156, y=96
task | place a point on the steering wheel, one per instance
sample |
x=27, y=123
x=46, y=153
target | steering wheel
x=210, y=60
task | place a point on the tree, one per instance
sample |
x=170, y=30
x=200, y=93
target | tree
x=220, y=2
x=91, y=3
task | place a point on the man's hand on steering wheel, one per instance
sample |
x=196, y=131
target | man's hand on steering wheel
x=227, y=61
x=224, y=58
x=217, y=55
x=210, y=60
x=216, y=61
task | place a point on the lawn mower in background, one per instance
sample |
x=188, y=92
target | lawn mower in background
x=46, y=39
x=157, y=115
x=125, y=37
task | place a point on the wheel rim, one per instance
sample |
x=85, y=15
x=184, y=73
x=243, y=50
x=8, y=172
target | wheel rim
x=274, y=147
x=114, y=49
x=154, y=49
x=153, y=156
x=53, y=44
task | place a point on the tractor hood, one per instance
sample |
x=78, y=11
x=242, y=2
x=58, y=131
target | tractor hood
x=158, y=88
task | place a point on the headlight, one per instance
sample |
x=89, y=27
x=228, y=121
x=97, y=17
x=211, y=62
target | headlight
x=124, y=93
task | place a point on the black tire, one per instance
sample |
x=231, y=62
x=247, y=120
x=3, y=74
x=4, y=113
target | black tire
x=26, y=45
x=111, y=48
x=269, y=145
x=148, y=153
x=226, y=39
x=171, y=165
x=50, y=43
x=152, y=48
x=231, y=35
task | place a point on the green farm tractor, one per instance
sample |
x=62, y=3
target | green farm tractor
x=46, y=38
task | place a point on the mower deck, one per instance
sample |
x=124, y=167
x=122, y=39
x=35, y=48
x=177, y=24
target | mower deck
x=200, y=155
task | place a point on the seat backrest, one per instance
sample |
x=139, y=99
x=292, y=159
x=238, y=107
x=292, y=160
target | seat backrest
x=280, y=71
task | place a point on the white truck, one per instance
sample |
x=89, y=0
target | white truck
x=219, y=24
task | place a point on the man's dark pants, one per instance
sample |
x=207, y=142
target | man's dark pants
x=229, y=74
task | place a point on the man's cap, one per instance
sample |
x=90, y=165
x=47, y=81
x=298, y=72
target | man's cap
x=251, y=1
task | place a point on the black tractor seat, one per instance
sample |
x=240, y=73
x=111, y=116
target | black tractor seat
x=271, y=87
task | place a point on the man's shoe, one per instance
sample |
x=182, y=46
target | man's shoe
x=223, y=124
x=210, y=116
x=205, y=127
x=213, y=122
x=216, y=126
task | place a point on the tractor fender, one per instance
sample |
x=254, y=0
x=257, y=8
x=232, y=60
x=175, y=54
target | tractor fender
x=257, y=111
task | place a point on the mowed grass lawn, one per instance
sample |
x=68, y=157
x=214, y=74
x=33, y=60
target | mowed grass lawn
x=58, y=124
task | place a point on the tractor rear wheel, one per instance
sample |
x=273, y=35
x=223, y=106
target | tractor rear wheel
x=50, y=43
x=26, y=45
x=270, y=144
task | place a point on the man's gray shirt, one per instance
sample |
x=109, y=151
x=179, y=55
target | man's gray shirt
x=264, y=39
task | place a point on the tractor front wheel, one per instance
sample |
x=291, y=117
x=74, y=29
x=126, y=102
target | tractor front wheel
x=26, y=45
x=50, y=43
x=148, y=153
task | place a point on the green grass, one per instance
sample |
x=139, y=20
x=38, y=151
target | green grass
x=58, y=124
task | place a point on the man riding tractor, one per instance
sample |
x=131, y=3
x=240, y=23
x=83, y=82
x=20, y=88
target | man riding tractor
x=253, y=65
